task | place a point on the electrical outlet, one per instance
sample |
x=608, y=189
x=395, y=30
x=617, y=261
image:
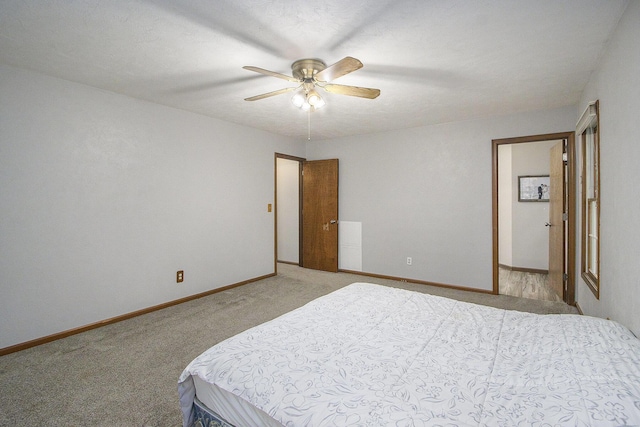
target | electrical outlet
x=409, y=260
x=180, y=276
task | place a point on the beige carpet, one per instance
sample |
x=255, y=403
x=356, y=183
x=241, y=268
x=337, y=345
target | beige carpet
x=126, y=374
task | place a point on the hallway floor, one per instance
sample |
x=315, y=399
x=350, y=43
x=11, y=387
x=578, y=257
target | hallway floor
x=526, y=285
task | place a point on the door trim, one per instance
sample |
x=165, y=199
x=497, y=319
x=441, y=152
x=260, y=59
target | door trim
x=275, y=204
x=570, y=238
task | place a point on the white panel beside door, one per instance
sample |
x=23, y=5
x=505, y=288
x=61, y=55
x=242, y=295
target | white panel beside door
x=350, y=245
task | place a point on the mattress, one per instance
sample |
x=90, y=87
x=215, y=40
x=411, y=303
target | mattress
x=378, y=356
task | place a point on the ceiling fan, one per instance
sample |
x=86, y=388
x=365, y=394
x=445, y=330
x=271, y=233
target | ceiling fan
x=310, y=74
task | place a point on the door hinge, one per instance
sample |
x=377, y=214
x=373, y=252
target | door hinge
x=565, y=277
x=565, y=216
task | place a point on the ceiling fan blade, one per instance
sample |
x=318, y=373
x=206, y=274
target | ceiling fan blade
x=362, y=92
x=271, y=73
x=344, y=66
x=269, y=94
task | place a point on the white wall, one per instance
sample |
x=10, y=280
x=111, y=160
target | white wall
x=426, y=193
x=616, y=84
x=104, y=198
x=288, y=210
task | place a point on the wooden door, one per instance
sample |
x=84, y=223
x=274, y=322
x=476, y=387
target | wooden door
x=556, y=219
x=320, y=215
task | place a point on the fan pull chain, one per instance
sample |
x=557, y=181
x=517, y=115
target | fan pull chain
x=309, y=125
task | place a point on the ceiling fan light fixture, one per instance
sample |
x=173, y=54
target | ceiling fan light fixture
x=307, y=99
x=319, y=103
x=313, y=97
x=299, y=99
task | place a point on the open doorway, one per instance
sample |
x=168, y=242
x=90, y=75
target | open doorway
x=288, y=220
x=531, y=252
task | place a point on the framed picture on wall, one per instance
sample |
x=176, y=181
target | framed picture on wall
x=533, y=188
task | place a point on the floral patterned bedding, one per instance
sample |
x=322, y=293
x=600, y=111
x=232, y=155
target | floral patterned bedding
x=370, y=355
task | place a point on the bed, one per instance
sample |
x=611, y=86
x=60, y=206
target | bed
x=371, y=355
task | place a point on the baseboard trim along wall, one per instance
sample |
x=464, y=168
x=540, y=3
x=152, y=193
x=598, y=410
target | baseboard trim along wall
x=70, y=332
x=419, y=282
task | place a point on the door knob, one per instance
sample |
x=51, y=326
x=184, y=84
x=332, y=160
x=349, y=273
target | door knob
x=547, y=224
x=333, y=221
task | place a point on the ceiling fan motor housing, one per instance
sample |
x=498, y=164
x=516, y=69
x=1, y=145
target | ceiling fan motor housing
x=304, y=69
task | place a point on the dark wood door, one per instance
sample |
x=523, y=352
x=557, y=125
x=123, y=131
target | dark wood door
x=556, y=219
x=320, y=215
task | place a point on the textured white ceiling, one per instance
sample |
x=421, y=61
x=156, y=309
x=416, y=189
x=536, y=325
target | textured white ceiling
x=434, y=61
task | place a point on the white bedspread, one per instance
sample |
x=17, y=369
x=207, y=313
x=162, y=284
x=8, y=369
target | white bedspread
x=369, y=355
